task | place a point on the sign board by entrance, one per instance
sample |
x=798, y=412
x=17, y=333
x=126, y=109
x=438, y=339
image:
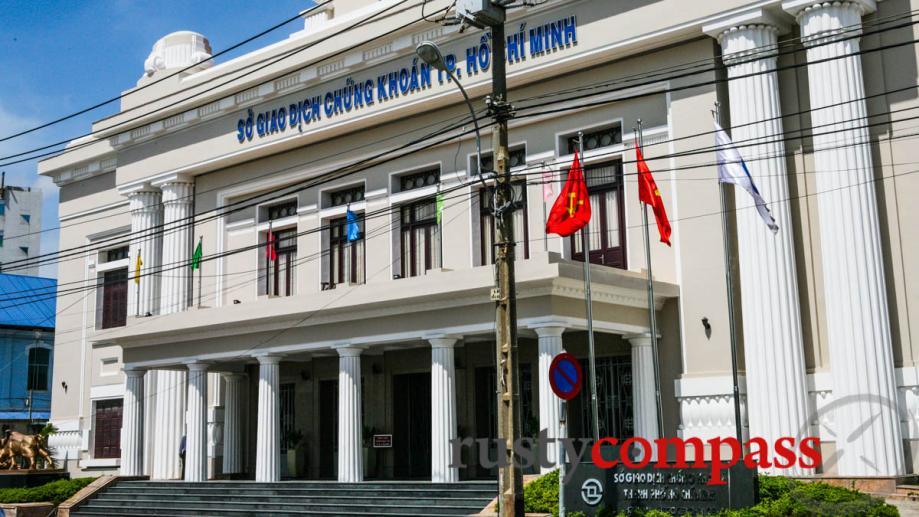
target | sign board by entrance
x=565, y=376
x=382, y=441
x=678, y=491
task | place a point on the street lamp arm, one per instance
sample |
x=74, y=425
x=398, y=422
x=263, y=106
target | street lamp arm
x=475, y=123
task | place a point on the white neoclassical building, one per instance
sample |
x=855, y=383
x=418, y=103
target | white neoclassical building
x=288, y=367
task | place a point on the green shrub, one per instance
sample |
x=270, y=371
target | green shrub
x=54, y=492
x=778, y=497
x=541, y=496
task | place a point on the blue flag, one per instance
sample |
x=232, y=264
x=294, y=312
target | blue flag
x=732, y=169
x=354, y=229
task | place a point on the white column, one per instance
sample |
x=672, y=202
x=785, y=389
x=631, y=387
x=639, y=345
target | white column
x=146, y=239
x=772, y=336
x=268, y=436
x=443, y=410
x=196, y=438
x=178, y=206
x=550, y=345
x=170, y=424
x=644, y=394
x=132, y=424
x=150, y=427
x=232, y=423
x=350, y=427
x=869, y=439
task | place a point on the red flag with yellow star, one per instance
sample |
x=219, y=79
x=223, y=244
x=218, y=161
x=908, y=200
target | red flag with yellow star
x=649, y=194
x=571, y=210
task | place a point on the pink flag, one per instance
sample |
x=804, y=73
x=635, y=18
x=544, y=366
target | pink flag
x=547, y=185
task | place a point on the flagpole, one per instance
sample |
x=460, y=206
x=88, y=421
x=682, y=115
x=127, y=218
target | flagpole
x=137, y=283
x=738, y=426
x=585, y=248
x=652, y=313
x=200, y=242
x=545, y=216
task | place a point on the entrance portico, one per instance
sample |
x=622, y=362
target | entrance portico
x=293, y=408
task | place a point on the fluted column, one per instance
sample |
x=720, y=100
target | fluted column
x=235, y=390
x=170, y=424
x=350, y=427
x=772, y=335
x=869, y=439
x=178, y=203
x=644, y=392
x=550, y=345
x=443, y=410
x=146, y=239
x=150, y=427
x=196, y=437
x=268, y=436
x=132, y=424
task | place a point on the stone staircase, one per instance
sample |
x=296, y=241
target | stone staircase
x=243, y=498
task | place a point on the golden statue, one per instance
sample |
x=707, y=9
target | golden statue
x=15, y=446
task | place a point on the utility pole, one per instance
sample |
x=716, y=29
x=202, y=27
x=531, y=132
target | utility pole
x=510, y=478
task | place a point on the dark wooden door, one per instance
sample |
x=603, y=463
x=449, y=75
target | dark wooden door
x=114, y=298
x=107, y=429
x=486, y=418
x=412, y=425
x=328, y=429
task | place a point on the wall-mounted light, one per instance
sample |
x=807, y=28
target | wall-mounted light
x=236, y=302
x=707, y=326
x=305, y=375
x=64, y=385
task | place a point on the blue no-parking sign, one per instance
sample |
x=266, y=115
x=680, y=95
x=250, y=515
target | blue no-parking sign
x=565, y=376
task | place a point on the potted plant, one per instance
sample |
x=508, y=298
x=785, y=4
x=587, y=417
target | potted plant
x=295, y=452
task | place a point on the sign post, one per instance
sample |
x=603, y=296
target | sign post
x=565, y=377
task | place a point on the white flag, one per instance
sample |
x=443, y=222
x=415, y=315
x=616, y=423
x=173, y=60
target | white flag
x=732, y=169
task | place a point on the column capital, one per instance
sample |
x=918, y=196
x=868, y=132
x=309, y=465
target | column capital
x=136, y=189
x=348, y=350
x=133, y=371
x=233, y=376
x=797, y=8
x=549, y=330
x=197, y=366
x=442, y=342
x=643, y=339
x=757, y=17
x=268, y=358
x=172, y=178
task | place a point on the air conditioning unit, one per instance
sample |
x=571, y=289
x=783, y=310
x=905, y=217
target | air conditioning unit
x=480, y=13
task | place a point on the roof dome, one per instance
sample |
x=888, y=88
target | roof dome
x=178, y=50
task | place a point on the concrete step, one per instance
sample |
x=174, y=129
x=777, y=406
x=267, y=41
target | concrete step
x=161, y=498
x=414, y=500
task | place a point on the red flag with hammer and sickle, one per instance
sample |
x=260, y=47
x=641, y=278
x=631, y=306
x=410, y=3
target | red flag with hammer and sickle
x=571, y=210
x=649, y=194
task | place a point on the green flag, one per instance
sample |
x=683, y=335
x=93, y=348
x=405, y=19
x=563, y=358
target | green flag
x=440, y=206
x=196, y=257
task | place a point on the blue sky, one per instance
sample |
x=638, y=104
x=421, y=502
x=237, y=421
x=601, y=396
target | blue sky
x=57, y=57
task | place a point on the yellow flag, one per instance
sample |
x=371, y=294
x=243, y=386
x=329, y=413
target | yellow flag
x=137, y=268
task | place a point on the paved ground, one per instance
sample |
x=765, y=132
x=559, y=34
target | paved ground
x=907, y=508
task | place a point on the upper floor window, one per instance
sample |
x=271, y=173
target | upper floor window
x=346, y=257
x=281, y=264
x=605, y=233
x=346, y=196
x=419, y=179
x=596, y=138
x=420, y=237
x=113, y=298
x=39, y=367
x=487, y=229
x=281, y=210
x=517, y=158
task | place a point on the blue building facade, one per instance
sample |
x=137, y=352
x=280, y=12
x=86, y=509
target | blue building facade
x=27, y=317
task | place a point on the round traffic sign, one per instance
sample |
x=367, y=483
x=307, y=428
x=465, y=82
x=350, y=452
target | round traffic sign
x=565, y=376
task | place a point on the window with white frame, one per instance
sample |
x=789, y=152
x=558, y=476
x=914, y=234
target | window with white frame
x=420, y=237
x=346, y=257
x=112, y=289
x=605, y=232
x=278, y=257
x=487, y=227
